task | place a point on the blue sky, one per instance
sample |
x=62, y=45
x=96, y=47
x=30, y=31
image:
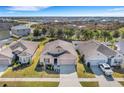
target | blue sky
x=61, y=10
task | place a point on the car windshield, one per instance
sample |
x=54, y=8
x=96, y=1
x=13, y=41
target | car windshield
x=107, y=67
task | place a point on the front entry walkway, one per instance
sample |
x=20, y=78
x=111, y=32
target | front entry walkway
x=68, y=76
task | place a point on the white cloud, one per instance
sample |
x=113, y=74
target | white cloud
x=27, y=8
x=117, y=9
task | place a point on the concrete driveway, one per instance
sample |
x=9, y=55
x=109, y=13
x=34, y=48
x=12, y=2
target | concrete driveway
x=104, y=81
x=96, y=70
x=68, y=76
x=2, y=70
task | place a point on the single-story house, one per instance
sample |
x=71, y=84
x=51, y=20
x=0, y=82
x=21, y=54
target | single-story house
x=58, y=53
x=20, y=30
x=95, y=52
x=21, y=51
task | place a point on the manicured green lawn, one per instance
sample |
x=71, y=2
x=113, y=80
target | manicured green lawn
x=118, y=72
x=89, y=84
x=30, y=71
x=29, y=84
x=118, y=75
x=82, y=71
x=121, y=82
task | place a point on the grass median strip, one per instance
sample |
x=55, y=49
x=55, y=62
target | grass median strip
x=28, y=84
x=89, y=84
x=82, y=70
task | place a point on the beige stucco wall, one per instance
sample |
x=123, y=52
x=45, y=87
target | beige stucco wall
x=63, y=59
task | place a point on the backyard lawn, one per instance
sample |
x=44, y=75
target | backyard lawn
x=89, y=84
x=30, y=71
x=29, y=84
x=83, y=71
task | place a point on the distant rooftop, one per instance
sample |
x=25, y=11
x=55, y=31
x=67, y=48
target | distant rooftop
x=20, y=27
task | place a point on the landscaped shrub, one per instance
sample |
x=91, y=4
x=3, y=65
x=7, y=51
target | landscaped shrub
x=4, y=85
x=50, y=67
x=82, y=58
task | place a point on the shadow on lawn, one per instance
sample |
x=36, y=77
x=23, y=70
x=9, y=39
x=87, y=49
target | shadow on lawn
x=118, y=70
x=20, y=67
x=87, y=69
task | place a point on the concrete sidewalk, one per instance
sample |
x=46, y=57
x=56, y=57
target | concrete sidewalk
x=30, y=79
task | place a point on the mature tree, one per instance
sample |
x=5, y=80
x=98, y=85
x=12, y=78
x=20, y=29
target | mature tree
x=106, y=35
x=116, y=34
x=121, y=30
x=59, y=33
x=36, y=32
x=68, y=33
x=51, y=32
x=97, y=34
x=87, y=34
x=44, y=31
x=77, y=34
x=122, y=35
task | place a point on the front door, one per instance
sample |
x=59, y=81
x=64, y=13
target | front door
x=55, y=61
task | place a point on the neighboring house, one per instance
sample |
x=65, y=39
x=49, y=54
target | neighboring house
x=96, y=52
x=20, y=30
x=21, y=51
x=4, y=60
x=58, y=53
x=120, y=46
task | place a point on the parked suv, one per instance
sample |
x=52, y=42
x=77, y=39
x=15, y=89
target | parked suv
x=106, y=69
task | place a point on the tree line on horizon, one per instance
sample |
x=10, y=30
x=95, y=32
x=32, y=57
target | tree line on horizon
x=73, y=33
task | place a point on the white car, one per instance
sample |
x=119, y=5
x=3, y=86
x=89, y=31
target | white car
x=106, y=69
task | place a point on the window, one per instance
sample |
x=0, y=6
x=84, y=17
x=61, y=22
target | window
x=75, y=44
x=47, y=60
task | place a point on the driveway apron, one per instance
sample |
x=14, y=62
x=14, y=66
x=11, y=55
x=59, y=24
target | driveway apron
x=68, y=76
x=104, y=81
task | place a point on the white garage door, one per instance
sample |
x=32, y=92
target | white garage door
x=67, y=61
x=4, y=62
x=95, y=62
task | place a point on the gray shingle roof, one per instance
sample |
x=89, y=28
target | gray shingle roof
x=67, y=46
x=20, y=27
x=3, y=56
x=106, y=50
x=90, y=47
x=18, y=44
x=27, y=46
x=24, y=54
